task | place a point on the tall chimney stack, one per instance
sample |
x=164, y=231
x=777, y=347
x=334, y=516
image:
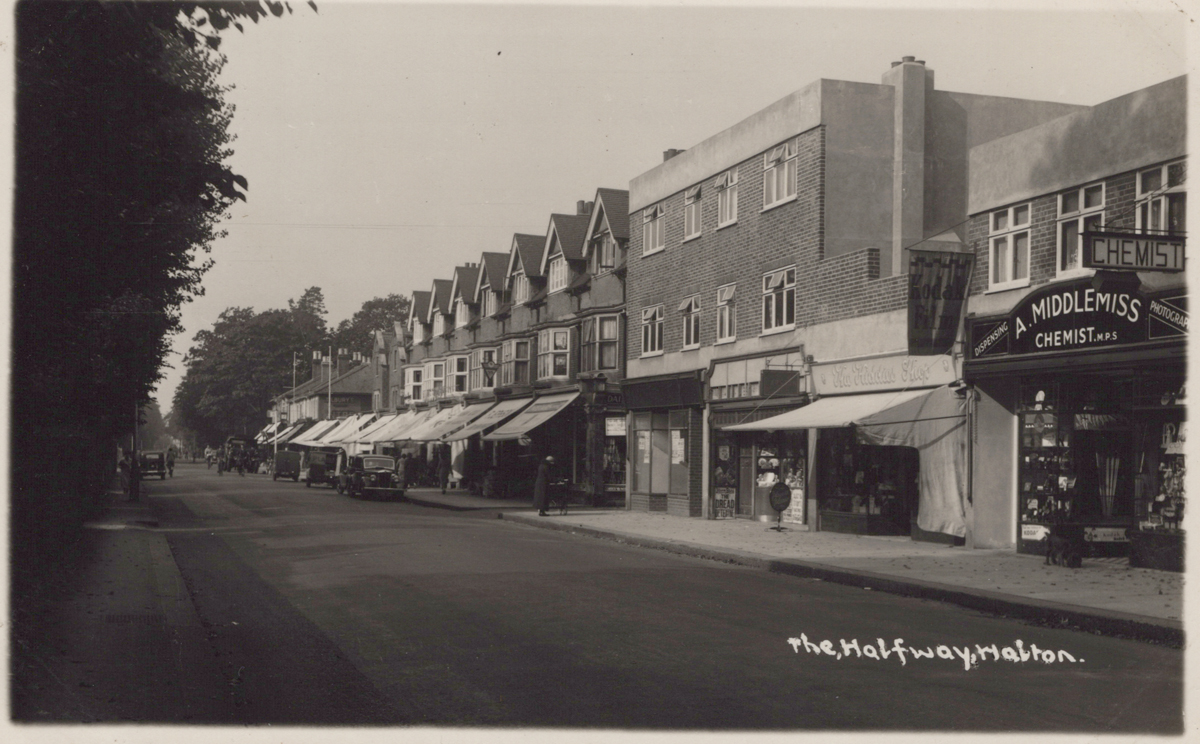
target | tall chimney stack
x=317, y=374
x=668, y=154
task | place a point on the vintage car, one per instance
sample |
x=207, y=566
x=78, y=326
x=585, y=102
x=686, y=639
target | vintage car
x=321, y=467
x=369, y=476
x=287, y=465
x=153, y=463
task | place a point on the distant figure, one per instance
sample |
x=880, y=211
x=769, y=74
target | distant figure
x=541, y=486
x=123, y=472
x=409, y=470
x=171, y=462
x=135, y=478
x=444, y=467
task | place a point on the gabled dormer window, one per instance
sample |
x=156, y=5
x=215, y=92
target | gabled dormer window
x=558, y=273
x=520, y=288
x=487, y=302
x=461, y=316
x=439, y=324
x=603, y=253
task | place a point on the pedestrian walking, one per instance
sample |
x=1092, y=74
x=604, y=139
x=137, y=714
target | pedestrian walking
x=171, y=462
x=135, y=478
x=444, y=467
x=541, y=485
x=123, y=473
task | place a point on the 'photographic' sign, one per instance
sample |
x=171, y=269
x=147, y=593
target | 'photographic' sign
x=1118, y=251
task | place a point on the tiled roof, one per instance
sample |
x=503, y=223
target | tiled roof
x=420, y=305
x=494, y=266
x=529, y=249
x=441, y=296
x=466, y=278
x=571, y=230
x=616, y=210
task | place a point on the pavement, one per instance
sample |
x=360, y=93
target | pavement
x=1104, y=596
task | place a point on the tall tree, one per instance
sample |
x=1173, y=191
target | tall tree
x=121, y=182
x=377, y=314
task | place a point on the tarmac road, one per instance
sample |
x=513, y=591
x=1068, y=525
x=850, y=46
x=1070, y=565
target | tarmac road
x=321, y=609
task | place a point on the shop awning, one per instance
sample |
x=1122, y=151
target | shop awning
x=366, y=433
x=348, y=427
x=832, y=412
x=460, y=418
x=268, y=430
x=421, y=432
x=495, y=415
x=538, y=413
x=312, y=436
x=284, y=435
x=397, y=425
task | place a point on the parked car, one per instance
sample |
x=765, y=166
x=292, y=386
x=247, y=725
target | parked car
x=321, y=467
x=370, y=476
x=287, y=465
x=153, y=462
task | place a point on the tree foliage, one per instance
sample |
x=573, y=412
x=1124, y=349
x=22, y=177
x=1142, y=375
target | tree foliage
x=121, y=183
x=235, y=369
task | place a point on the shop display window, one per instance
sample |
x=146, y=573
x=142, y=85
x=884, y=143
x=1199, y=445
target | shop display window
x=1105, y=453
x=867, y=489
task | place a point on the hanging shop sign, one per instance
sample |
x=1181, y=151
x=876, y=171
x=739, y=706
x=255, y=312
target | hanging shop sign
x=937, y=292
x=1119, y=251
x=614, y=426
x=882, y=373
x=1079, y=315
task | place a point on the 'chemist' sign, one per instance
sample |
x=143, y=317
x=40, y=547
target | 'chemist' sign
x=1078, y=315
x=1116, y=251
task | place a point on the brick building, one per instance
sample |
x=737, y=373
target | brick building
x=768, y=266
x=520, y=356
x=1078, y=366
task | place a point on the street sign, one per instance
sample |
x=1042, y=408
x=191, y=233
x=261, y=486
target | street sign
x=1119, y=251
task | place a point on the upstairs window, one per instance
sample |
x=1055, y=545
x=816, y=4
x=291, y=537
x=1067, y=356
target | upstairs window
x=439, y=324
x=726, y=188
x=558, y=273
x=481, y=358
x=603, y=253
x=554, y=346
x=487, y=302
x=435, y=380
x=600, y=340
x=460, y=313
x=1079, y=211
x=726, y=317
x=690, y=308
x=458, y=371
x=414, y=383
x=779, y=175
x=652, y=330
x=1162, y=200
x=1008, y=248
x=779, y=300
x=653, y=237
x=515, y=366
x=520, y=288
x=691, y=213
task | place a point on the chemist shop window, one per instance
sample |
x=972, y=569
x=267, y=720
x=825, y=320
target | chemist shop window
x=1078, y=454
x=1162, y=200
x=1008, y=248
x=1079, y=211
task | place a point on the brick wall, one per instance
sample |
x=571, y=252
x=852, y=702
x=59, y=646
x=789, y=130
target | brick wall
x=791, y=234
x=1120, y=195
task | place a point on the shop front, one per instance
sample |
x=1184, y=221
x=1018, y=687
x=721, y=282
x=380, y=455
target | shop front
x=888, y=447
x=746, y=465
x=665, y=415
x=1093, y=372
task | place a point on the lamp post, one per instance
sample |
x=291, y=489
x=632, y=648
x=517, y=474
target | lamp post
x=595, y=386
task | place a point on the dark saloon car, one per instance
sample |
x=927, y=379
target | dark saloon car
x=370, y=476
x=153, y=463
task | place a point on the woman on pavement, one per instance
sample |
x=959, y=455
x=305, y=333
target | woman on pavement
x=541, y=485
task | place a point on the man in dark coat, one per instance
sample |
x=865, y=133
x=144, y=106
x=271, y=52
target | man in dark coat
x=541, y=485
x=444, y=467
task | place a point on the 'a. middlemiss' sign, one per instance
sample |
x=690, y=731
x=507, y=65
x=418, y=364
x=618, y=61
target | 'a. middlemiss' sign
x=1119, y=251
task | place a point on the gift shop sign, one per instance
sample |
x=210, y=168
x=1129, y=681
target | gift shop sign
x=882, y=373
x=1078, y=315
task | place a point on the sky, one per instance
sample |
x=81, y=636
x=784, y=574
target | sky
x=386, y=143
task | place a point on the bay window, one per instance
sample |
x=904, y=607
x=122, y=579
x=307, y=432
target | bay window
x=413, y=382
x=515, y=365
x=458, y=371
x=435, y=379
x=554, y=346
x=480, y=378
